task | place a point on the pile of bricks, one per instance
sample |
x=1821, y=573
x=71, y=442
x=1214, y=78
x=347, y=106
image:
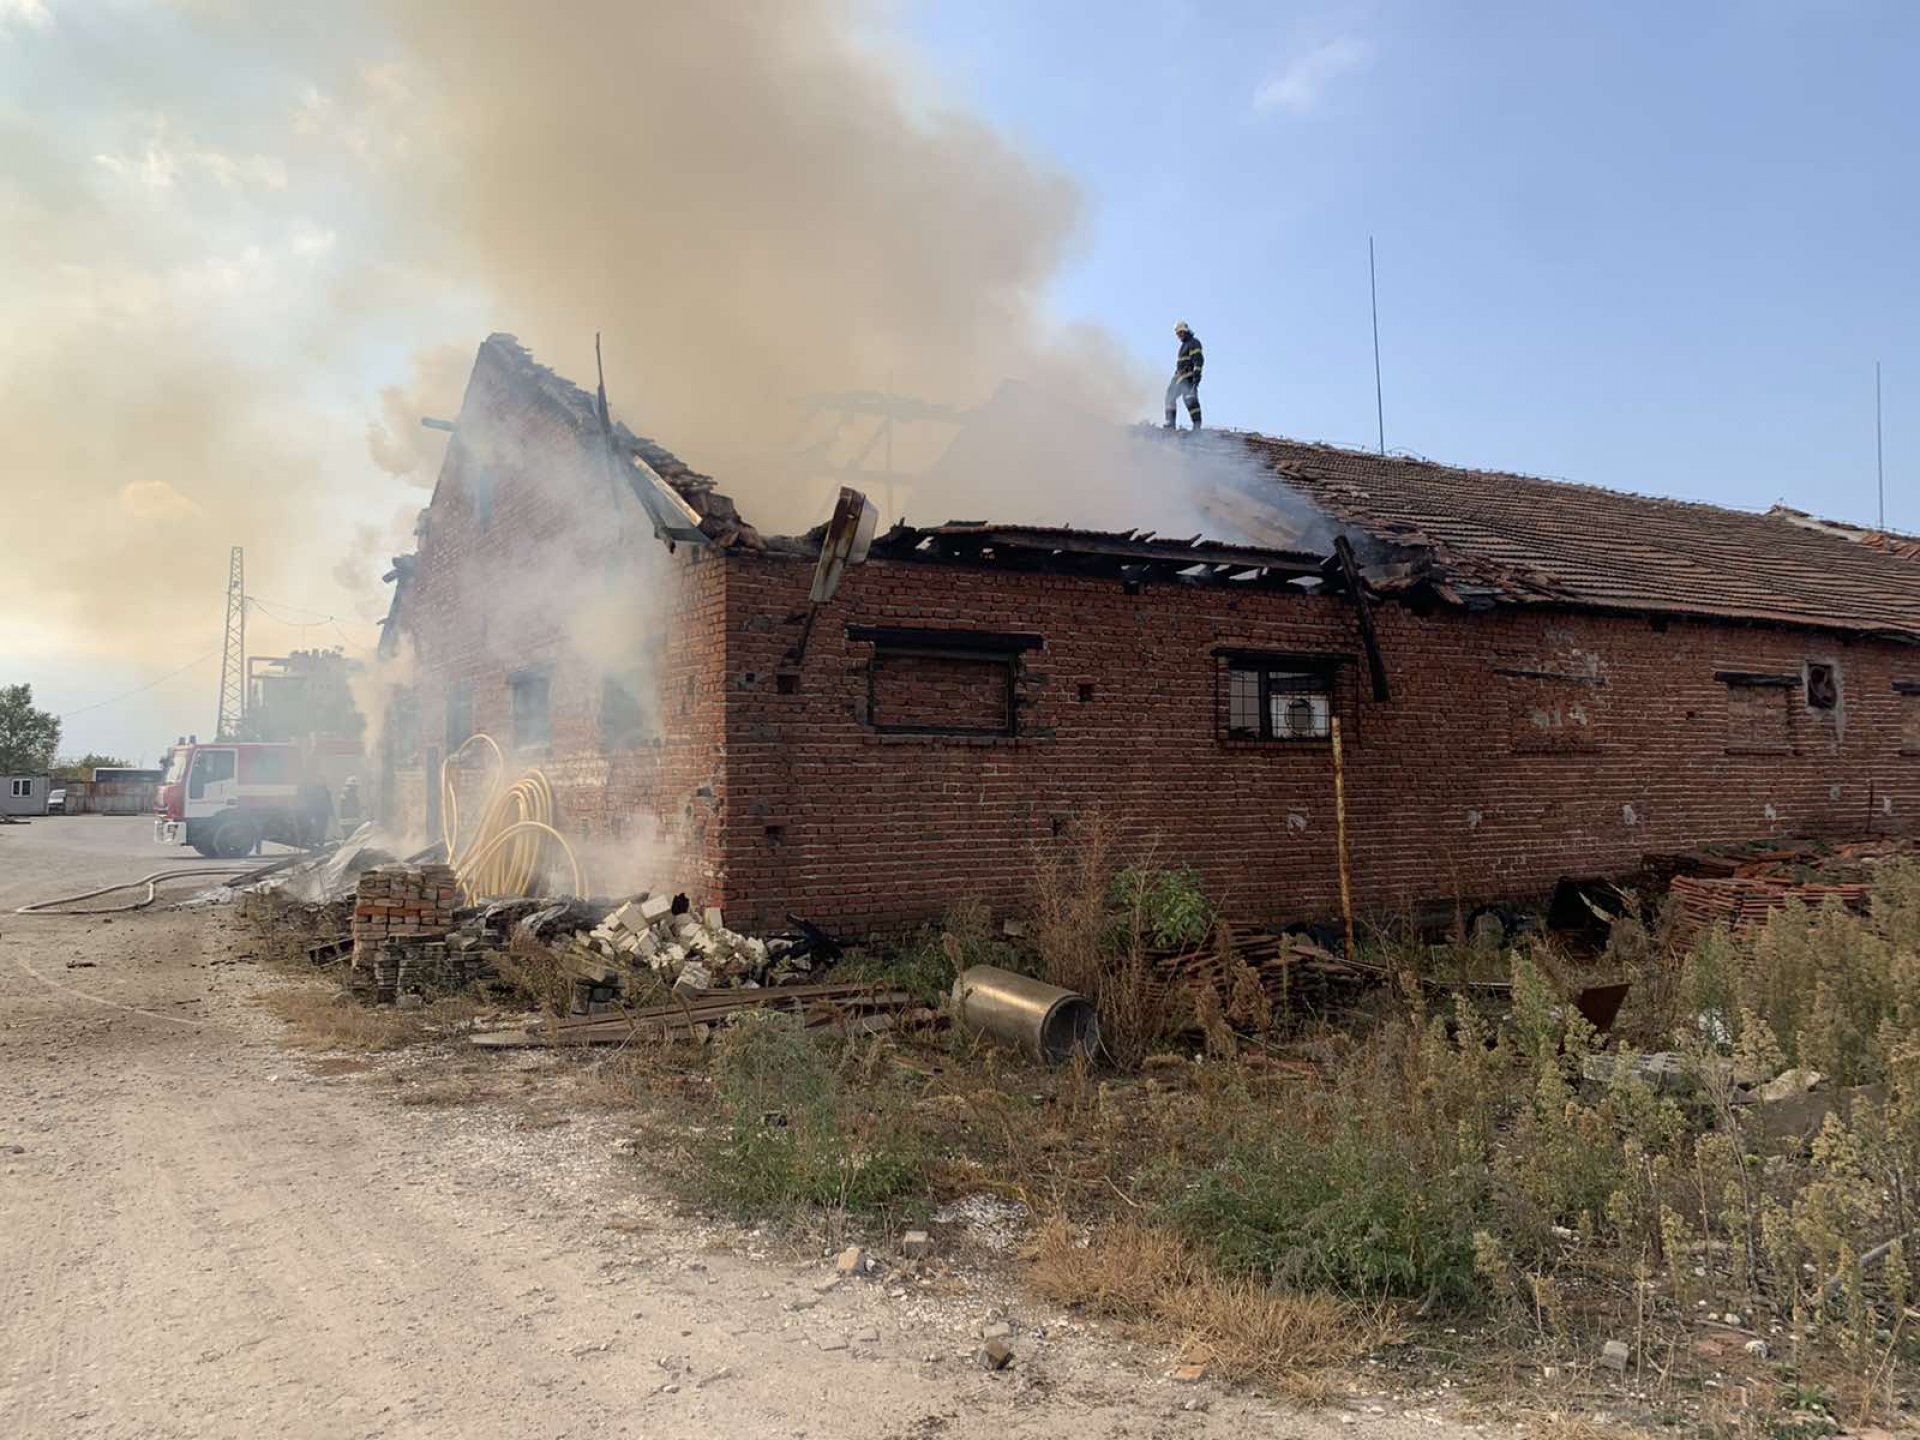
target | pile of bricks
x=401, y=916
x=410, y=965
x=398, y=900
x=1745, y=904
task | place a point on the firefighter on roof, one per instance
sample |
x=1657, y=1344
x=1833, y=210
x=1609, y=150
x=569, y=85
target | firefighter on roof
x=1185, y=384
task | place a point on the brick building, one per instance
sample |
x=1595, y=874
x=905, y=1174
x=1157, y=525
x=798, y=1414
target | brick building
x=1533, y=680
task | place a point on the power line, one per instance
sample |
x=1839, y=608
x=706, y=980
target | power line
x=317, y=617
x=138, y=689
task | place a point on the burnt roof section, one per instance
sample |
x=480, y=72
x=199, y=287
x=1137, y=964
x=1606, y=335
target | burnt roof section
x=720, y=519
x=1497, y=538
x=1132, y=554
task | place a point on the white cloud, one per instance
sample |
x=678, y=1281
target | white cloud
x=33, y=14
x=1298, y=87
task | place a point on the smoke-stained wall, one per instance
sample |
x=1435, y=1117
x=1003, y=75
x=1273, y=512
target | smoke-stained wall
x=541, y=611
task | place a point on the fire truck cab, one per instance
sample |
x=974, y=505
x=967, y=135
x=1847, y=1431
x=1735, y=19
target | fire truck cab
x=225, y=797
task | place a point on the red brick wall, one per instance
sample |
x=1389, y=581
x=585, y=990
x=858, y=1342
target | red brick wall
x=1519, y=747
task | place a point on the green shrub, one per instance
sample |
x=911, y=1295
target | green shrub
x=1345, y=1212
x=1168, y=907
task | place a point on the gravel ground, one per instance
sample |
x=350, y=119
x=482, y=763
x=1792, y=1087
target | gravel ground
x=202, y=1234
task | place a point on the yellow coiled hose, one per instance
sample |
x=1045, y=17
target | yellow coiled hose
x=509, y=851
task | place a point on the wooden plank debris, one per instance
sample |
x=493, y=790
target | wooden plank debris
x=853, y=1005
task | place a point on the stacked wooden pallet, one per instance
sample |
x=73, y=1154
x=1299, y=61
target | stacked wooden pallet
x=1744, y=904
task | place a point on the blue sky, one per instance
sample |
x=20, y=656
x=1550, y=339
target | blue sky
x=1652, y=246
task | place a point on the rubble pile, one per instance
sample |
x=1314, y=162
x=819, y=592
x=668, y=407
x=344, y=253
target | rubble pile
x=407, y=936
x=694, y=956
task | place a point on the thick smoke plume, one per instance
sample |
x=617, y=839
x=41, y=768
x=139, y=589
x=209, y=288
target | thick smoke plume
x=757, y=206
x=758, y=203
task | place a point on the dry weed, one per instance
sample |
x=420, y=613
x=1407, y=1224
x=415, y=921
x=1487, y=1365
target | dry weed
x=319, y=1017
x=1150, y=1280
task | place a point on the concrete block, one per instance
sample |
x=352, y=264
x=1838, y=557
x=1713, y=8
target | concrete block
x=916, y=1244
x=851, y=1261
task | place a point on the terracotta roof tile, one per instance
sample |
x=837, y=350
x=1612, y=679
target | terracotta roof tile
x=1519, y=539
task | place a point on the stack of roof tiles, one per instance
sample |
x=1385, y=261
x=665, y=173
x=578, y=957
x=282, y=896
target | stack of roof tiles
x=1745, y=903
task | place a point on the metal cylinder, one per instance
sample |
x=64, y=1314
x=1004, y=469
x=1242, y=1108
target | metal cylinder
x=1048, y=1023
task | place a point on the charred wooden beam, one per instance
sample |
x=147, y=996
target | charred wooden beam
x=1357, y=589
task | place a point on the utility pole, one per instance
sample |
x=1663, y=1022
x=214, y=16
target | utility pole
x=233, y=660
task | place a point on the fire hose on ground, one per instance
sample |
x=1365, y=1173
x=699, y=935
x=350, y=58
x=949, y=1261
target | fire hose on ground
x=507, y=852
x=246, y=874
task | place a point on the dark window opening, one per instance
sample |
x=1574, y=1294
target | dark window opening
x=532, y=720
x=776, y=835
x=459, y=715
x=1283, y=698
x=403, y=728
x=1823, y=686
x=787, y=684
x=627, y=710
x=481, y=485
x=1086, y=694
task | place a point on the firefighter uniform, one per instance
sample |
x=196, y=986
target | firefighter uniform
x=1185, y=385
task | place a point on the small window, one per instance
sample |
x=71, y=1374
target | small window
x=532, y=723
x=23, y=789
x=915, y=692
x=627, y=709
x=943, y=682
x=210, y=767
x=1907, y=694
x=1823, y=686
x=403, y=728
x=481, y=484
x=1759, y=714
x=459, y=715
x=1278, y=698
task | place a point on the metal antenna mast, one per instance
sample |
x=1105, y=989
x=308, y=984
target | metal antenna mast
x=233, y=661
x=1379, y=405
x=1879, y=448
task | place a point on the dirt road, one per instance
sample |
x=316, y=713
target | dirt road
x=204, y=1235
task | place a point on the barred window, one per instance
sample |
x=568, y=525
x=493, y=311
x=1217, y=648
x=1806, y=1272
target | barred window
x=1284, y=698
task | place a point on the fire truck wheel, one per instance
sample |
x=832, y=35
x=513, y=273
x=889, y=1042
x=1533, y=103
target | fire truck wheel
x=235, y=838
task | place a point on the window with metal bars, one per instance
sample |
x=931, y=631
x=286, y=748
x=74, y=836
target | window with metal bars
x=1281, y=697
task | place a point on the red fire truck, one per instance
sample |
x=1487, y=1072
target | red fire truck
x=224, y=797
